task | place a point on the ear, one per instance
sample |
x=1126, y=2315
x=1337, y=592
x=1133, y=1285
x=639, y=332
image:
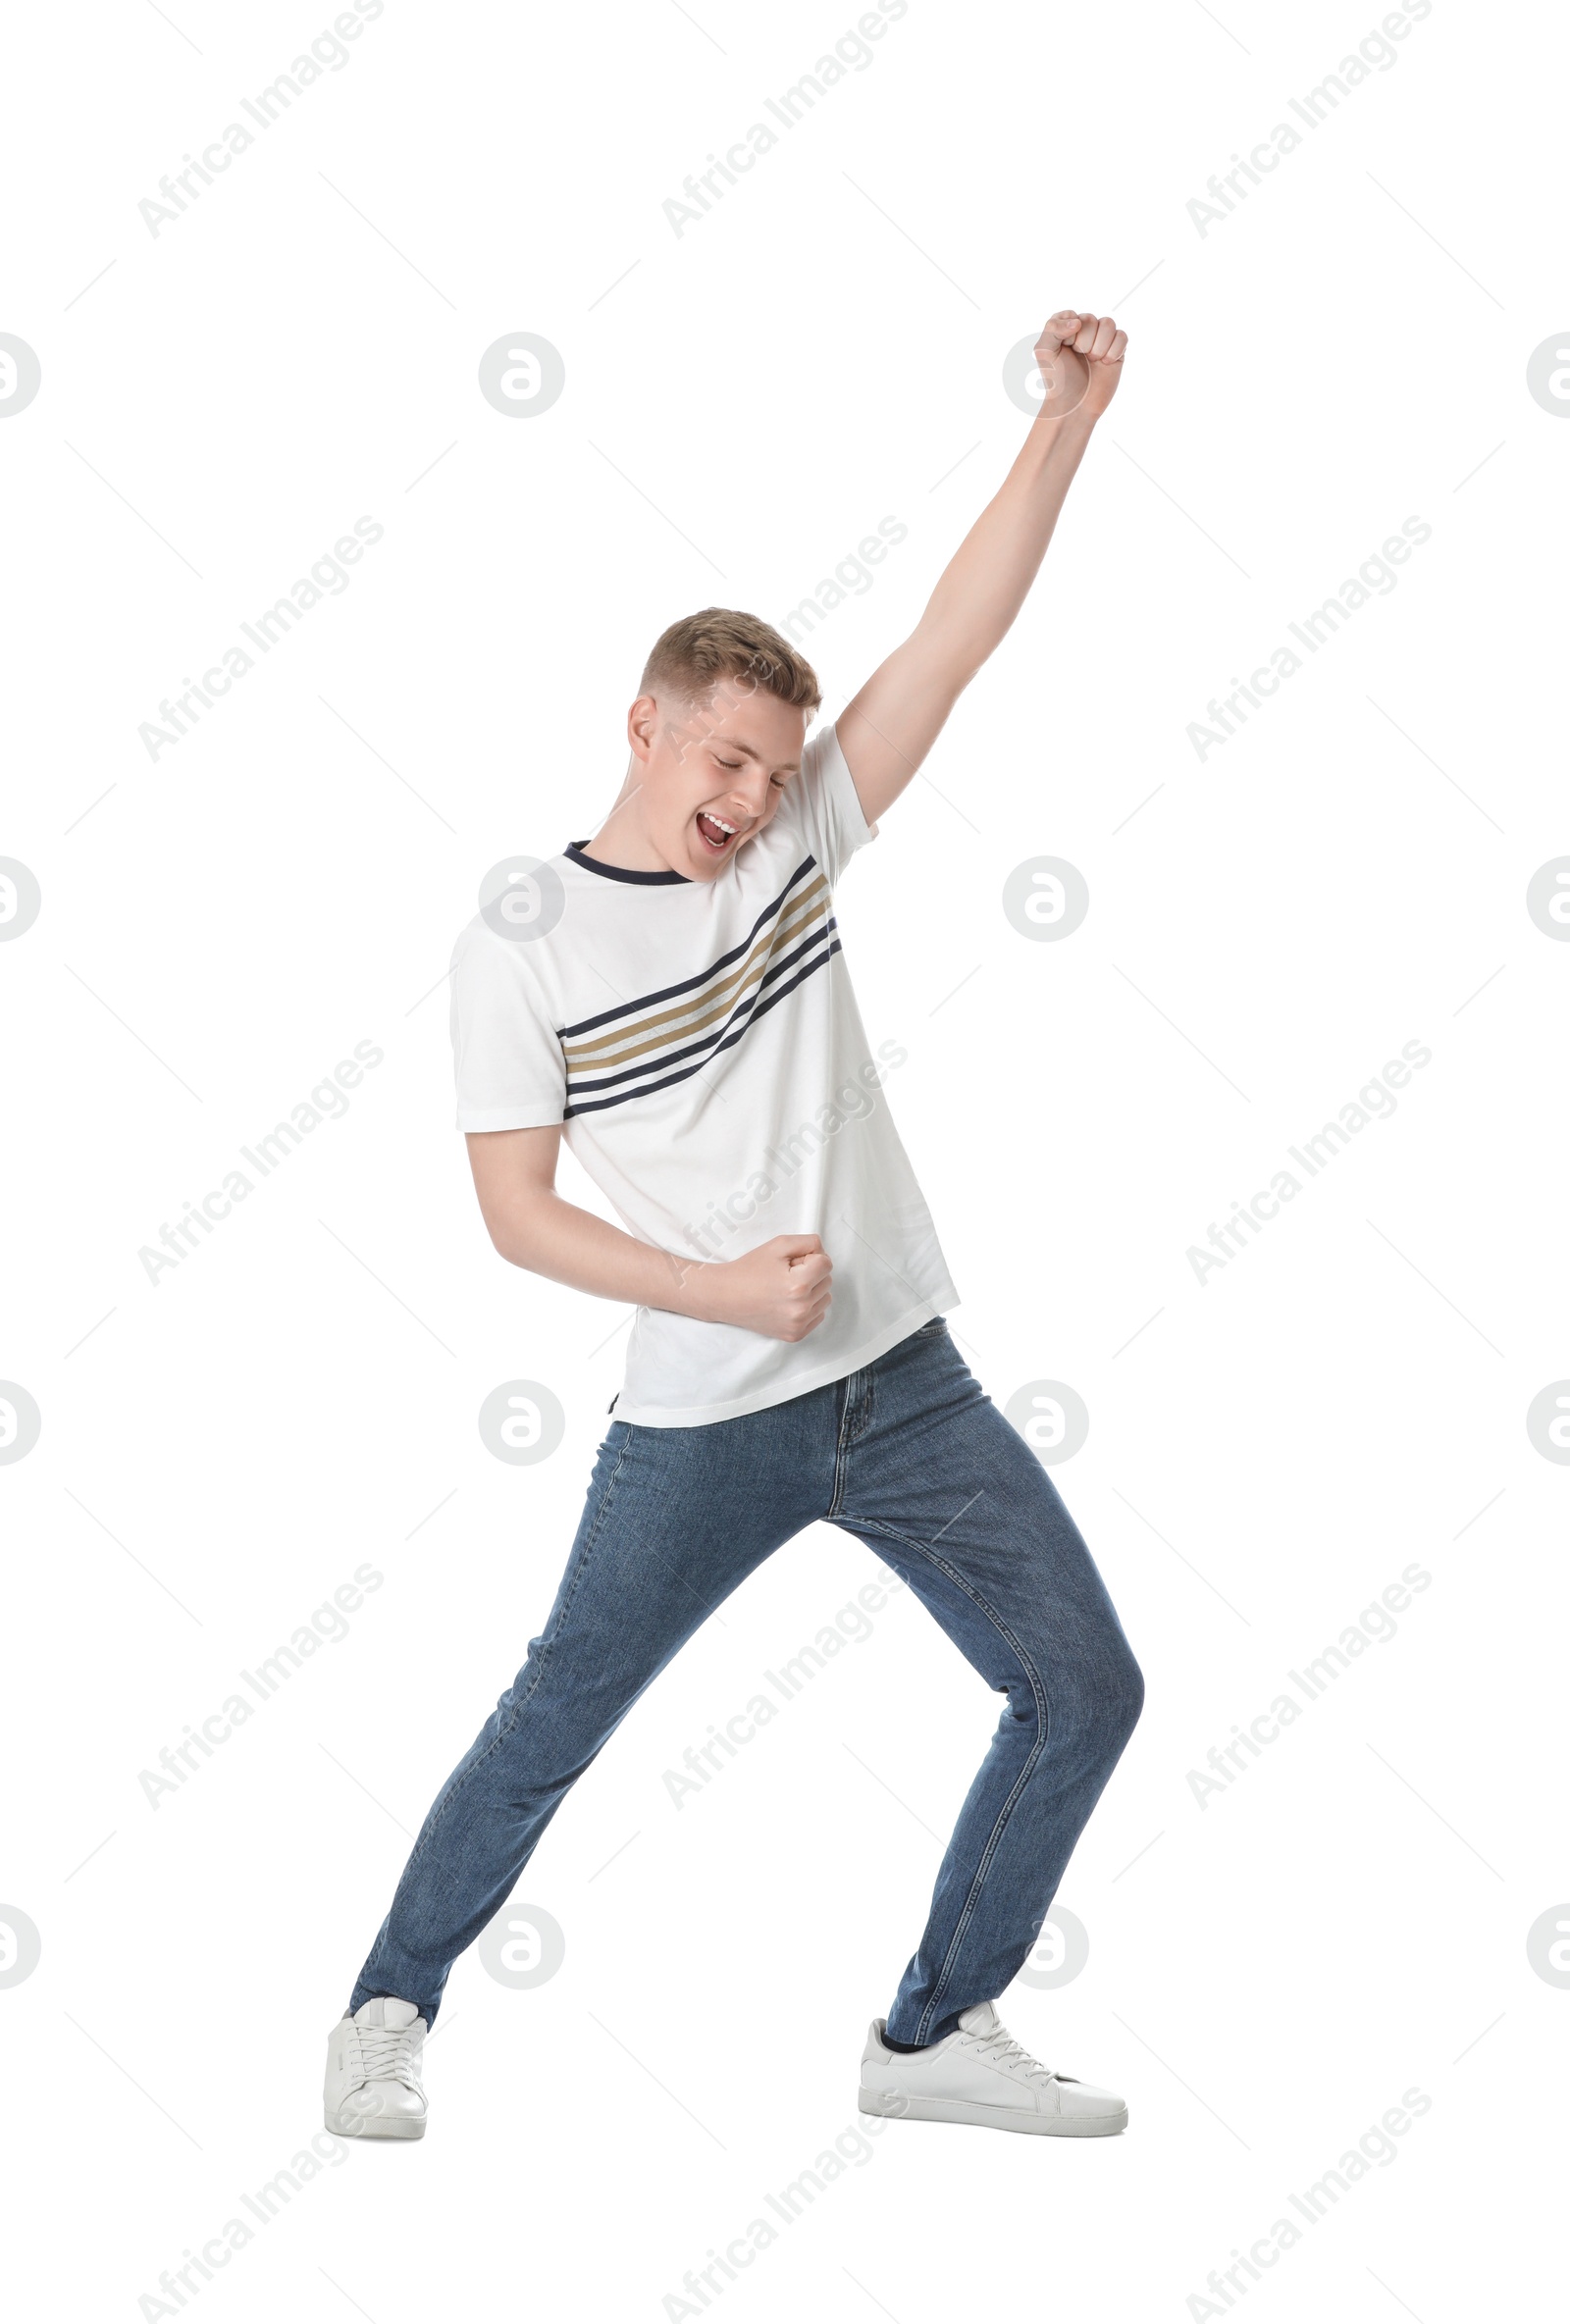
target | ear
x=643, y=725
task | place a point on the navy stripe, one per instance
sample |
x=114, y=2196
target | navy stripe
x=599, y=1105
x=688, y=984
x=615, y=871
x=711, y=1042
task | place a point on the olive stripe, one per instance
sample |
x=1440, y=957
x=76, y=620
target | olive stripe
x=641, y=1036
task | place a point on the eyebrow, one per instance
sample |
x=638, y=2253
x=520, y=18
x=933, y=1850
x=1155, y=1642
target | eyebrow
x=786, y=766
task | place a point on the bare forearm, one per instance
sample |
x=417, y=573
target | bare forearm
x=887, y=729
x=989, y=576
x=553, y=1237
x=780, y=1289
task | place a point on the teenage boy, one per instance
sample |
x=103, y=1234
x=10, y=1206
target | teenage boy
x=674, y=998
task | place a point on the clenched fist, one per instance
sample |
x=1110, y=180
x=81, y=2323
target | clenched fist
x=1081, y=361
x=780, y=1290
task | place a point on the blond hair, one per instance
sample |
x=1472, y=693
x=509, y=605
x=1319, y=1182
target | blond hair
x=694, y=653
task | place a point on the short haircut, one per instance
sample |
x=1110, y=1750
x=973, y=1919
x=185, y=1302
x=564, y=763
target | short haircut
x=695, y=652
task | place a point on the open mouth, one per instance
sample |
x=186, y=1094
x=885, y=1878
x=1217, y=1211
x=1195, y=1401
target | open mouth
x=715, y=834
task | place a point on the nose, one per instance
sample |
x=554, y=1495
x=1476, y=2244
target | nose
x=748, y=797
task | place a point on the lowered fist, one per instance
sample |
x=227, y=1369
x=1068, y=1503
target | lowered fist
x=781, y=1290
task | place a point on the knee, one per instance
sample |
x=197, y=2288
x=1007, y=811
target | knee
x=1115, y=1701
x=1091, y=1712
x=1128, y=1696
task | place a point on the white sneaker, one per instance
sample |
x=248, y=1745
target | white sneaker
x=373, y=2073
x=979, y=2074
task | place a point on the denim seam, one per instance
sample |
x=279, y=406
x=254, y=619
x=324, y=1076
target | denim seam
x=575, y=1577
x=1043, y=1723
x=842, y=1446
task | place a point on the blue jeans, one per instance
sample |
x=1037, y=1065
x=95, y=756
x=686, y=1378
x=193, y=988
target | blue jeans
x=913, y=1458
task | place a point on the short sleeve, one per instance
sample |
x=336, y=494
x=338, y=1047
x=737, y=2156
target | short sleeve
x=829, y=806
x=507, y=1054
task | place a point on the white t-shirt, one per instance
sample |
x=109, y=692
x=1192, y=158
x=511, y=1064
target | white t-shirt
x=702, y=1044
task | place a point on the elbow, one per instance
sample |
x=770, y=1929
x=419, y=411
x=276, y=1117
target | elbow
x=514, y=1231
x=509, y=1243
x=505, y=1246
x=952, y=656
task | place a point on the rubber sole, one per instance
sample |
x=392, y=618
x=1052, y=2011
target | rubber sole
x=898, y=2106
x=374, y=2126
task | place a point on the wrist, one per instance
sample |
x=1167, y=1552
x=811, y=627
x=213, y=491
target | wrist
x=697, y=1289
x=1076, y=427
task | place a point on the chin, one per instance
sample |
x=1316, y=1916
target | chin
x=696, y=860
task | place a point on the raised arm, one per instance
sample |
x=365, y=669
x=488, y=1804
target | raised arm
x=889, y=727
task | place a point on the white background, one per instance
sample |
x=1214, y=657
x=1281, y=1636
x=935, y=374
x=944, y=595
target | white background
x=220, y=401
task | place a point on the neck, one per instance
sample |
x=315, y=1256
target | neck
x=622, y=839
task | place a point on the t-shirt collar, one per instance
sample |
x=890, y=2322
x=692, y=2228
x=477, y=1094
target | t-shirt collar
x=614, y=871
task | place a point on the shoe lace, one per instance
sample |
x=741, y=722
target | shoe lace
x=391, y=2053
x=1004, y=2051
